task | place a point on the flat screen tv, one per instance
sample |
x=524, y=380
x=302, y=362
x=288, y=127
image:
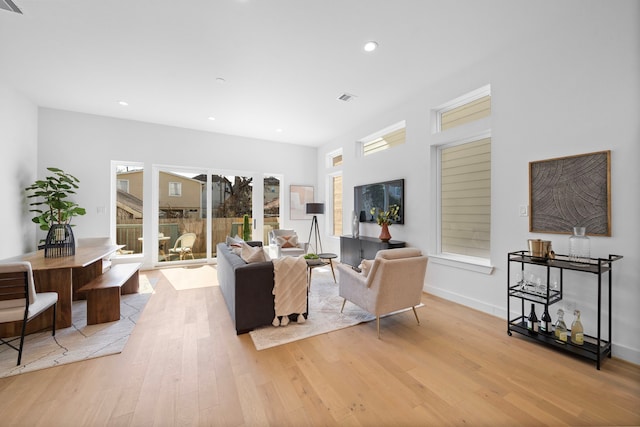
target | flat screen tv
x=380, y=195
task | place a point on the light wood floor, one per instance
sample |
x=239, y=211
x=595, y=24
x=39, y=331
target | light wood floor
x=185, y=366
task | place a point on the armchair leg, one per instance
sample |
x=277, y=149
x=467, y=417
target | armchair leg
x=416, y=314
x=344, y=301
x=378, y=325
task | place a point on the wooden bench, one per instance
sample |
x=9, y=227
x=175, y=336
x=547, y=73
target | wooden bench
x=103, y=292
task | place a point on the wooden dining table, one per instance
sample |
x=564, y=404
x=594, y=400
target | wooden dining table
x=64, y=275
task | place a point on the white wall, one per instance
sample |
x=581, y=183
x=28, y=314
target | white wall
x=18, y=142
x=84, y=145
x=573, y=89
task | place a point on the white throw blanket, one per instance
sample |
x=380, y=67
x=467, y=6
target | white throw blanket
x=289, y=288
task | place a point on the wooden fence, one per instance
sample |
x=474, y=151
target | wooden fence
x=129, y=232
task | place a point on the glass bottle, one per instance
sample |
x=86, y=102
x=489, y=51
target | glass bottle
x=532, y=320
x=561, y=327
x=545, y=322
x=579, y=246
x=577, y=332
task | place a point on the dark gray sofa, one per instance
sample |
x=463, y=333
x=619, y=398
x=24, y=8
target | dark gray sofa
x=247, y=289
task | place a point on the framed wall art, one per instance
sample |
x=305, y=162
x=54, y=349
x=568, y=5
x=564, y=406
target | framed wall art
x=571, y=191
x=300, y=195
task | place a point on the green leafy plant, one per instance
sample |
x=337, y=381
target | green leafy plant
x=53, y=206
x=246, y=228
x=386, y=217
x=311, y=256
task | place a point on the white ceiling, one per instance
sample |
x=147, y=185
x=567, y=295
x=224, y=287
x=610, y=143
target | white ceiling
x=284, y=61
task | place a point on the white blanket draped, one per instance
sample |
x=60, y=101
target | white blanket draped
x=290, y=288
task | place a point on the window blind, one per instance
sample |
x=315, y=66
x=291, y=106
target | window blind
x=337, y=205
x=384, y=142
x=466, y=198
x=466, y=113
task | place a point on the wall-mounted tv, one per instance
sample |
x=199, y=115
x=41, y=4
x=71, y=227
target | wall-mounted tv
x=380, y=195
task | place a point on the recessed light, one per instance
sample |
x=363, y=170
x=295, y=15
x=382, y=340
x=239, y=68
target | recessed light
x=279, y=130
x=123, y=103
x=211, y=118
x=370, y=46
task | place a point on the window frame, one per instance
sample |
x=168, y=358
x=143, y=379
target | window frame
x=465, y=133
x=369, y=139
x=458, y=102
x=175, y=185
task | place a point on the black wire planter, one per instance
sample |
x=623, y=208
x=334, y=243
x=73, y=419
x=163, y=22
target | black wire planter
x=60, y=242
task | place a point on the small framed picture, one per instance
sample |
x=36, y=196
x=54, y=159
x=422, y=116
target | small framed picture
x=300, y=195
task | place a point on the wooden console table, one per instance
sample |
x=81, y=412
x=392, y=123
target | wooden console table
x=354, y=250
x=63, y=275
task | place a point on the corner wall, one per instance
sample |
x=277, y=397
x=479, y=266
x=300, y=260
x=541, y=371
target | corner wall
x=18, y=142
x=576, y=90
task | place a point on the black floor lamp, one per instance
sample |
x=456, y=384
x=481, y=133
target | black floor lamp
x=315, y=209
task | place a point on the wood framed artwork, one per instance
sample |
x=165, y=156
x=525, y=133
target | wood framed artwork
x=300, y=195
x=571, y=191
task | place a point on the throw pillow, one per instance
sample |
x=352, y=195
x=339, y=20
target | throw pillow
x=290, y=241
x=365, y=266
x=234, y=241
x=252, y=254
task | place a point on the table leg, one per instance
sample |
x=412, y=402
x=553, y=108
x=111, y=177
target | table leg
x=333, y=271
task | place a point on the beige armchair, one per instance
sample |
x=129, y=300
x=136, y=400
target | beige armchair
x=285, y=243
x=394, y=282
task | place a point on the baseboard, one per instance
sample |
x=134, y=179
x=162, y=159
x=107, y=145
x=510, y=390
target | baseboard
x=618, y=351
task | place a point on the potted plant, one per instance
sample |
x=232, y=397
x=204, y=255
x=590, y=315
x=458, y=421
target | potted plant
x=246, y=228
x=384, y=219
x=54, y=211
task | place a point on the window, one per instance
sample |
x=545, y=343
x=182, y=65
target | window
x=175, y=189
x=465, y=198
x=383, y=140
x=334, y=159
x=123, y=185
x=465, y=109
x=128, y=206
x=336, y=181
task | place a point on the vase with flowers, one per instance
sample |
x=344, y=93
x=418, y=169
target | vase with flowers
x=385, y=219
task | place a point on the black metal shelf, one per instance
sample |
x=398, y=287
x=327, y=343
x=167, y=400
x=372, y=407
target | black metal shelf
x=592, y=265
x=595, y=347
x=588, y=350
x=516, y=292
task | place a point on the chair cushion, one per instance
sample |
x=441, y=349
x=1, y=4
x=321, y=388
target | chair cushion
x=365, y=266
x=43, y=301
x=290, y=241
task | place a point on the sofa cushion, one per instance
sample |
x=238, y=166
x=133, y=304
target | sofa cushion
x=234, y=241
x=251, y=254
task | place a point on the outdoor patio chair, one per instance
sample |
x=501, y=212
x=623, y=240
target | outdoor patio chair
x=183, y=246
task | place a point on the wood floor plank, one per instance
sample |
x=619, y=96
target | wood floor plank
x=184, y=365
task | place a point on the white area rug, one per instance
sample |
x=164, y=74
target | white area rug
x=80, y=341
x=324, y=315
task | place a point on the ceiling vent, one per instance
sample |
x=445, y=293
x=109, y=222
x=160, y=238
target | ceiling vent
x=10, y=6
x=346, y=97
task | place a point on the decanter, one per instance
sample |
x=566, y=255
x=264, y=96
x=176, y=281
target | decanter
x=561, y=327
x=579, y=246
